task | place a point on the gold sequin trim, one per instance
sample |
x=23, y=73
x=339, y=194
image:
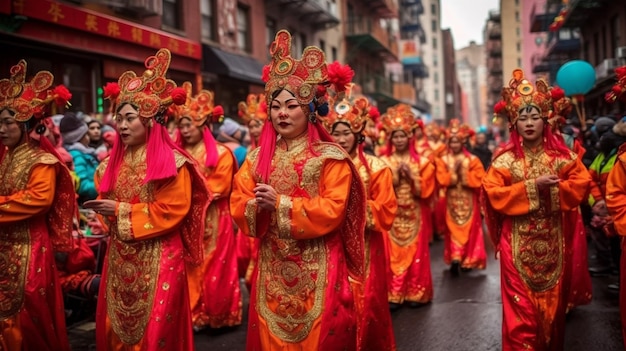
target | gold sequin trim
x=250, y=214
x=533, y=196
x=124, y=222
x=283, y=216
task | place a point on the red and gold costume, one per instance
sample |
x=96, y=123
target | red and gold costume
x=37, y=206
x=616, y=194
x=215, y=296
x=410, y=278
x=301, y=296
x=374, y=328
x=464, y=241
x=529, y=225
x=143, y=302
x=253, y=110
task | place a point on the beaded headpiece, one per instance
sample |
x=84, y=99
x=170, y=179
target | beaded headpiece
x=618, y=91
x=30, y=99
x=151, y=93
x=398, y=117
x=458, y=130
x=354, y=111
x=254, y=108
x=197, y=108
x=300, y=77
x=521, y=94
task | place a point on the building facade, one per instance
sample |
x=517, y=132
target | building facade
x=472, y=75
x=511, y=19
x=452, y=89
x=493, y=47
x=432, y=52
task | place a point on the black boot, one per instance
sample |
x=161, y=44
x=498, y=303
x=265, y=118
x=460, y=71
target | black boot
x=455, y=268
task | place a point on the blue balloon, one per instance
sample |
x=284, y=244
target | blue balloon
x=576, y=77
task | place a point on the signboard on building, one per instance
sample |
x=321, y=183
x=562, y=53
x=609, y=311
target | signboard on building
x=410, y=53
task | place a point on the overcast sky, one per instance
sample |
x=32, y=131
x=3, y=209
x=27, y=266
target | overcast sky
x=466, y=18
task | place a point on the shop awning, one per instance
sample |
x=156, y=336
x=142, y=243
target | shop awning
x=232, y=65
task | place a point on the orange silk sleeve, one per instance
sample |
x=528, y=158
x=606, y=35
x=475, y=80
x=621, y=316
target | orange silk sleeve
x=427, y=180
x=252, y=220
x=221, y=179
x=510, y=199
x=34, y=200
x=616, y=194
x=574, y=185
x=473, y=178
x=442, y=173
x=382, y=205
x=308, y=218
x=146, y=220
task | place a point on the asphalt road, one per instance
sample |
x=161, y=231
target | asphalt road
x=466, y=314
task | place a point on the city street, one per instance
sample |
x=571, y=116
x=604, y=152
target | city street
x=466, y=314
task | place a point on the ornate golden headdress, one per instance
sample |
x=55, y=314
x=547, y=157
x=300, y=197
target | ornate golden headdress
x=30, y=99
x=398, y=117
x=354, y=111
x=151, y=93
x=459, y=130
x=254, y=108
x=521, y=94
x=197, y=108
x=300, y=77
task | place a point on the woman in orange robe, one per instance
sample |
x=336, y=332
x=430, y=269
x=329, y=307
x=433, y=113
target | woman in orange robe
x=303, y=199
x=155, y=202
x=254, y=114
x=534, y=187
x=346, y=121
x=37, y=206
x=414, y=181
x=464, y=243
x=215, y=296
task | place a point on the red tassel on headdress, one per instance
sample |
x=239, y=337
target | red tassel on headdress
x=499, y=107
x=557, y=93
x=340, y=75
x=111, y=90
x=179, y=96
x=61, y=95
x=266, y=73
x=374, y=114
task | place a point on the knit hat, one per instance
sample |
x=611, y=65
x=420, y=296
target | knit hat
x=603, y=124
x=230, y=127
x=72, y=128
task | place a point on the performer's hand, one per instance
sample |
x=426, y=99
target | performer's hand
x=599, y=208
x=547, y=180
x=102, y=207
x=265, y=196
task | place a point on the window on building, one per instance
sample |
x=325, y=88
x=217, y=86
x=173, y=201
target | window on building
x=519, y=62
x=434, y=43
x=436, y=77
x=333, y=55
x=433, y=8
x=171, y=14
x=517, y=31
x=437, y=95
x=206, y=12
x=323, y=46
x=434, y=26
x=519, y=46
x=243, y=29
x=435, y=60
x=517, y=16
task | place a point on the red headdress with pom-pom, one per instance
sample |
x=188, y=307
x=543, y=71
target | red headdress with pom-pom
x=217, y=115
x=197, y=108
x=521, y=94
x=561, y=108
x=30, y=99
x=618, y=91
x=253, y=109
x=398, y=117
x=151, y=93
x=300, y=77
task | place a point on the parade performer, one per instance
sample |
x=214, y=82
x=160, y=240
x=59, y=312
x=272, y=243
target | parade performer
x=464, y=247
x=37, y=206
x=616, y=189
x=253, y=111
x=533, y=189
x=155, y=202
x=414, y=182
x=215, y=296
x=346, y=122
x=301, y=196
